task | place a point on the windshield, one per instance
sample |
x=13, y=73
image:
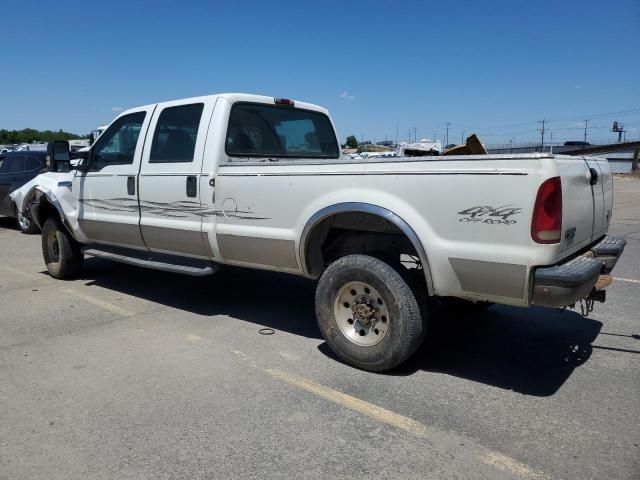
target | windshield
x=259, y=130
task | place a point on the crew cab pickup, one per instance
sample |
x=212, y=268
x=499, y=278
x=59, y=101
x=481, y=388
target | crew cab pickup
x=260, y=182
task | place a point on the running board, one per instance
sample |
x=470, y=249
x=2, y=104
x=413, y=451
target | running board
x=156, y=261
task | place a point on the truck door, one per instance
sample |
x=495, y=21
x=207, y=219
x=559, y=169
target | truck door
x=107, y=201
x=170, y=207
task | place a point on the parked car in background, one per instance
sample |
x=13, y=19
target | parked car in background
x=16, y=169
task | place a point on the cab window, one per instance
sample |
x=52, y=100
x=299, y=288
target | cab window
x=174, y=140
x=117, y=145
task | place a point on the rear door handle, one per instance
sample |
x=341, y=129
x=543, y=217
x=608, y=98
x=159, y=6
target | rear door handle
x=131, y=185
x=192, y=187
x=594, y=176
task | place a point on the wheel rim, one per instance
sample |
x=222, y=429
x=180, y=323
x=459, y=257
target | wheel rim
x=53, y=247
x=23, y=221
x=361, y=314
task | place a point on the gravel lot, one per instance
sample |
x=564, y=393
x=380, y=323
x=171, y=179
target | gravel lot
x=130, y=373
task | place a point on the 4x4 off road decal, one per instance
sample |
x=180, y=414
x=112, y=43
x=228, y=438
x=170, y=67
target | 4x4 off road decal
x=490, y=215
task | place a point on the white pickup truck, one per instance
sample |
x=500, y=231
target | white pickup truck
x=260, y=182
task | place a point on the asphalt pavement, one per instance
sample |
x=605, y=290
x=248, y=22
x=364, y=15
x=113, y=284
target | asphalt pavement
x=130, y=373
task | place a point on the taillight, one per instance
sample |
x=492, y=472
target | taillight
x=546, y=226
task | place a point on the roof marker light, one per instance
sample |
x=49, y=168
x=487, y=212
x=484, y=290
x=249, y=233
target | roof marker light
x=284, y=101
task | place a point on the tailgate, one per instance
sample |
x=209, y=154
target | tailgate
x=602, y=195
x=586, y=203
x=577, y=202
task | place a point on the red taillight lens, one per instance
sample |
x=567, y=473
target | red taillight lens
x=546, y=226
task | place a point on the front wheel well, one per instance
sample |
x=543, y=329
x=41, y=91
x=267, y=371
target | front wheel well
x=43, y=210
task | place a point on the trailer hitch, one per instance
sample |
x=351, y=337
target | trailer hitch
x=587, y=304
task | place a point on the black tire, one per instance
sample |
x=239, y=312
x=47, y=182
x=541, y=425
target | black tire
x=25, y=223
x=61, y=252
x=406, y=325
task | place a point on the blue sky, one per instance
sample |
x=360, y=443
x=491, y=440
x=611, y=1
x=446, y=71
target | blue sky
x=494, y=68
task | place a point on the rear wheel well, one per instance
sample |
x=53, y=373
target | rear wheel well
x=347, y=233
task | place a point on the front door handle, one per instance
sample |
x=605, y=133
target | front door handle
x=192, y=187
x=131, y=185
x=594, y=176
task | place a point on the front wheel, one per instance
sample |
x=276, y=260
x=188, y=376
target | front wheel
x=61, y=252
x=368, y=314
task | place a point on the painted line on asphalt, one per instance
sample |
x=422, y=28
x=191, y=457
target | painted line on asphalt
x=484, y=455
x=352, y=403
x=21, y=273
x=630, y=280
x=100, y=303
x=88, y=298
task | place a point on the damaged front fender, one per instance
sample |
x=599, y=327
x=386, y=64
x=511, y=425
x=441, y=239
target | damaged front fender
x=50, y=194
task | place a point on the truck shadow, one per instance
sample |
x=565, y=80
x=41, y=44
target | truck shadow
x=530, y=351
x=279, y=301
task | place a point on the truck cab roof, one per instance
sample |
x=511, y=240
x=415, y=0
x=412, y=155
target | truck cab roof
x=234, y=98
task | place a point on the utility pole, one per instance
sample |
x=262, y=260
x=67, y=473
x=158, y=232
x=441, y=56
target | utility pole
x=409, y=136
x=396, y=132
x=541, y=130
x=586, y=122
x=462, y=138
x=447, y=137
x=551, y=133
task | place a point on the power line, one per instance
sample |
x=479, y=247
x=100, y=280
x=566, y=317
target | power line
x=542, y=133
x=586, y=123
x=597, y=115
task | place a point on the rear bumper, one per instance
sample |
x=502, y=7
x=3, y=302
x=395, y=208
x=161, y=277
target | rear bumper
x=569, y=282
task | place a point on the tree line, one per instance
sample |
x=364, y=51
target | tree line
x=29, y=135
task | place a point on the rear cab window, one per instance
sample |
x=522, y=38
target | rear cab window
x=261, y=130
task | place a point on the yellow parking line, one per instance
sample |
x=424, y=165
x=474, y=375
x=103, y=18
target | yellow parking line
x=630, y=280
x=88, y=298
x=353, y=403
x=100, y=303
x=484, y=455
x=21, y=273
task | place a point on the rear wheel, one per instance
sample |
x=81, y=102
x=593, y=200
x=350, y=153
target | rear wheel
x=368, y=314
x=61, y=252
x=25, y=224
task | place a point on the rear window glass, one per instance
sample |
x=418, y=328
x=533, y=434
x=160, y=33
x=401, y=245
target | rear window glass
x=15, y=164
x=258, y=130
x=33, y=163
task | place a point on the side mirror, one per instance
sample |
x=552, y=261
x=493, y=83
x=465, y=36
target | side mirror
x=83, y=156
x=58, y=156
